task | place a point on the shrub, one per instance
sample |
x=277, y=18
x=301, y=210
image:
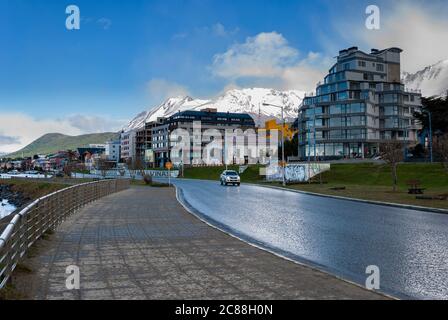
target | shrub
x=147, y=179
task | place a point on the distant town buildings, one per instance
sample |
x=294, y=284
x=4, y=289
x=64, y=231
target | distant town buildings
x=127, y=145
x=360, y=104
x=112, y=150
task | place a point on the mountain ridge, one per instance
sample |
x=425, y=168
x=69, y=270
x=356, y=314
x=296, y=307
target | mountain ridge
x=53, y=142
x=249, y=100
x=431, y=80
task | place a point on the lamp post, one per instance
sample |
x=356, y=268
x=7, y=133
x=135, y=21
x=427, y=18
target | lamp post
x=430, y=134
x=283, y=138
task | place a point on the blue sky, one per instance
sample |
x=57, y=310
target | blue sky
x=130, y=55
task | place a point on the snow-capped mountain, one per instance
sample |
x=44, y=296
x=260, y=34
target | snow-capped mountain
x=432, y=80
x=251, y=101
x=166, y=109
x=237, y=100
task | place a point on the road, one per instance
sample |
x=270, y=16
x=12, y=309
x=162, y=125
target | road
x=342, y=237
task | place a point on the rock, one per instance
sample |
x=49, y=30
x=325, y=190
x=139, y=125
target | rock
x=14, y=197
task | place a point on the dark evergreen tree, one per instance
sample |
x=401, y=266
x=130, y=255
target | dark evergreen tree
x=438, y=107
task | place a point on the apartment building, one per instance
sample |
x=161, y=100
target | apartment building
x=160, y=147
x=360, y=104
x=153, y=143
x=209, y=119
x=127, y=145
x=112, y=150
x=143, y=138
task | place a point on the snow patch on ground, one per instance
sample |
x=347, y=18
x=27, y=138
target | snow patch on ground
x=24, y=175
x=6, y=208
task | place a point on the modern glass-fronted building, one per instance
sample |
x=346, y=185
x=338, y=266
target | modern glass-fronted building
x=360, y=104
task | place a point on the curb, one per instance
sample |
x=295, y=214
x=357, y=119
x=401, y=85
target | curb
x=389, y=204
x=252, y=242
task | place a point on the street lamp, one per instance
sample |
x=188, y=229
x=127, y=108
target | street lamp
x=283, y=138
x=430, y=133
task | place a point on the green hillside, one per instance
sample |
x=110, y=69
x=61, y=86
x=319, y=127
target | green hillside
x=53, y=142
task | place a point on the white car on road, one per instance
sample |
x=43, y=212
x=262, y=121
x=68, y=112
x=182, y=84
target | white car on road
x=230, y=177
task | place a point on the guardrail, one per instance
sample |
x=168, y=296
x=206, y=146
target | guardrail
x=45, y=214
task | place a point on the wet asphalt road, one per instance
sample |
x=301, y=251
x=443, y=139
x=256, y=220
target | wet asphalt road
x=342, y=237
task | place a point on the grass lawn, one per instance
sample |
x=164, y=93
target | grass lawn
x=212, y=173
x=363, y=180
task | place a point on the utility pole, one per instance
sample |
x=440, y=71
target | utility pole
x=430, y=135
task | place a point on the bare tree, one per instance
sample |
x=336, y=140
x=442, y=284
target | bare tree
x=139, y=166
x=68, y=169
x=393, y=153
x=104, y=166
x=441, y=148
x=72, y=156
x=136, y=166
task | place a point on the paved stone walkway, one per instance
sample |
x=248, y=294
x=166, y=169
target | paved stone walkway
x=142, y=244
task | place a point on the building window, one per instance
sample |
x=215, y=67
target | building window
x=314, y=122
x=337, y=109
x=337, y=122
x=342, y=95
x=337, y=134
x=342, y=86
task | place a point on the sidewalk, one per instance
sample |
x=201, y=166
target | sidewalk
x=142, y=244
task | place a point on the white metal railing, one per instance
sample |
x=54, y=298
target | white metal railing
x=46, y=214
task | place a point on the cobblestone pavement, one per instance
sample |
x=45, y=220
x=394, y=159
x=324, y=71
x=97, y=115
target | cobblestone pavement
x=142, y=244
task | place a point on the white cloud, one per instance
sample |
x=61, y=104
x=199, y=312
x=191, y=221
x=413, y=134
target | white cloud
x=220, y=30
x=269, y=56
x=420, y=29
x=5, y=140
x=94, y=124
x=161, y=89
x=25, y=129
x=261, y=56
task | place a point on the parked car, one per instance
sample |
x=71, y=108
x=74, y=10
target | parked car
x=230, y=177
